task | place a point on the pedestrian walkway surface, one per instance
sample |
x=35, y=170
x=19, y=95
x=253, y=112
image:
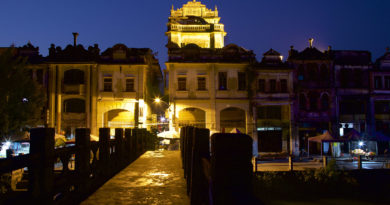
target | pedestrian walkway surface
x=154, y=178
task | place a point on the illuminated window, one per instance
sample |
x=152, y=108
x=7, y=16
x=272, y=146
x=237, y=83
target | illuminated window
x=261, y=85
x=130, y=85
x=222, y=80
x=378, y=82
x=272, y=86
x=107, y=84
x=283, y=86
x=201, y=83
x=182, y=84
x=241, y=81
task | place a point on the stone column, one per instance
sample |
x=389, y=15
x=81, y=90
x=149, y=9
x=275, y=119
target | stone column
x=59, y=99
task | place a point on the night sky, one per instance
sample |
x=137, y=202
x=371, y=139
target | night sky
x=254, y=24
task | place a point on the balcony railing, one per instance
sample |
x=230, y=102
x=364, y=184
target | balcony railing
x=78, y=89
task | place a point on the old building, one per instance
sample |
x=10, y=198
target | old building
x=351, y=70
x=273, y=102
x=86, y=88
x=208, y=82
x=315, y=110
x=380, y=96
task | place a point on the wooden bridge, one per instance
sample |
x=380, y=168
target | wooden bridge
x=95, y=163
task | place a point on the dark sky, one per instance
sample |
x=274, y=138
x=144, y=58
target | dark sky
x=254, y=24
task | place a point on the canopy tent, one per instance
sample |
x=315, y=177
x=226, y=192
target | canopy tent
x=326, y=137
x=353, y=135
x=168, y=134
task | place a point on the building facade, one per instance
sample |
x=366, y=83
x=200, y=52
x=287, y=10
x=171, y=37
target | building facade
x=86, y=88
x=273, y=104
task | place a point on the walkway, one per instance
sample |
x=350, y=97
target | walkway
x=155, y=178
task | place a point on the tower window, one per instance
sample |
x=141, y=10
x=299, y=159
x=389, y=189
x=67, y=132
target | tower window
x=201, y=83
x=283, y=86
x=222, y=80
x=241, y=81
x=272, y=86
x=378, y=82
x=107, y=84
x=182, y=83
x=387, y=82
x=130, y=85
x=261, y=85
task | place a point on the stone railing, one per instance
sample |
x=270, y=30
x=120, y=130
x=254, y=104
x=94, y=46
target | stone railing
x=196, y=28
x=94, y=163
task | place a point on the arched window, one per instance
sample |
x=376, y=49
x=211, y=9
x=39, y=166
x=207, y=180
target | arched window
x=313, y=101
x=74, y=77
x=312, y=70
x=74, y=106
x=324, y=72
x=325, y=102
x=302, y=101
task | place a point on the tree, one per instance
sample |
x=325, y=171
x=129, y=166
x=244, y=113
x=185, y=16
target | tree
x=21, y=98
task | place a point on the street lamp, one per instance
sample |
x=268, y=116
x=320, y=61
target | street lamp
x=159, y=101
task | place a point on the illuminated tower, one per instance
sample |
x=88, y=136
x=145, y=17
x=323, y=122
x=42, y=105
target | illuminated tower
x=195, y=24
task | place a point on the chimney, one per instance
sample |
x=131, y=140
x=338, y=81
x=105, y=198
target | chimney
x=75, y=34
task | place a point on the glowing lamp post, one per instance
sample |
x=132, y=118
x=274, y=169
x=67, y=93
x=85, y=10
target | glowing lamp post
x=158, y=101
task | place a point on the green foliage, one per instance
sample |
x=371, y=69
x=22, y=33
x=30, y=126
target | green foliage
x=21, y=98
x=153, y=79
x=328, y=176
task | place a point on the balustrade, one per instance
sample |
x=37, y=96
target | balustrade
x=85, y=166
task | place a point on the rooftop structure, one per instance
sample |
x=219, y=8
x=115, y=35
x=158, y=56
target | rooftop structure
x=195, y=24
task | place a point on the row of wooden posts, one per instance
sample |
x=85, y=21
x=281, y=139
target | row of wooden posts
x=220, y=175
x=95, y=163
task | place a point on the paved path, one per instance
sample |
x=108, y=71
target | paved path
x=155, y=178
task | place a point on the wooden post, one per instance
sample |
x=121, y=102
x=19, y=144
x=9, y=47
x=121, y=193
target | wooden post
x=127, y=147
x=290, y=163
x=83, y=157
x=41, y=169
x=119, y=146
x=143, y=141
x=104, y=150
x=136, y=146
x=360, y=166
x=199, y=181
x=325, y=161
x=9, y=153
